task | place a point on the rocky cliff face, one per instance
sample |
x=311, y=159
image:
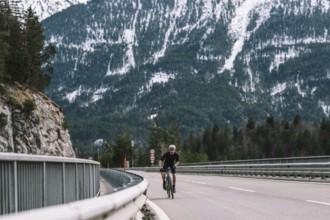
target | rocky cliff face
x=31, y=123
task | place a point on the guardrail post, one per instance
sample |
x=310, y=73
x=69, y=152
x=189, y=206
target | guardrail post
x=95, y=181
x=84, y=182
x=15, y=187
x=77, y=192
x=44, y=194
x=63, y=183
x=91, y=177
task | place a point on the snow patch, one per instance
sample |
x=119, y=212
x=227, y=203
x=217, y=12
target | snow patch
x=325, y=107
x=157, y=78
x=98, y=142
x=279, y=88
x=300, y=91
x=98, y=94
x=240, y=22
x=151, y=117
x=71, y=97
x=160, y=78
x=282, y=57
x=129, y=38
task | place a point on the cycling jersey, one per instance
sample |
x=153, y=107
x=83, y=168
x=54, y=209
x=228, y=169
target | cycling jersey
x=169, y=160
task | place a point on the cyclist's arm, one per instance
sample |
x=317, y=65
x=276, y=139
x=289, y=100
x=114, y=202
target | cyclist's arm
x=177, y=161
x=176, y=164
x=160, y=163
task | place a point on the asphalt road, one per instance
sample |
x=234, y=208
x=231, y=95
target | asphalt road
x=218, y=197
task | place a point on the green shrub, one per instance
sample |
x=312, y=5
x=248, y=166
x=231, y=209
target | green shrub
x=13, y=103
x=2, y=89
x=65, y=124
x=29, y=106
x=3, y=120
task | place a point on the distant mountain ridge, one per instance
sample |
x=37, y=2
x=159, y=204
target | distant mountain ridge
x=121, y=63
x=46, y=8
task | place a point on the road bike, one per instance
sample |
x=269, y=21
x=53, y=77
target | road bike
x=168, y=182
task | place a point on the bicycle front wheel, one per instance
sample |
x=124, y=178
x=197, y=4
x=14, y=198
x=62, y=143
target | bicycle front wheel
x=170, y=188
x=172, y=192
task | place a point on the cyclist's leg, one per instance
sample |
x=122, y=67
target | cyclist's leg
x=173, y=175
x=174, y=179
x=163, y=177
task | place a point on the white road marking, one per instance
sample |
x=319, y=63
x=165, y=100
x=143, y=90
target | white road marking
x=199, y=182
x=323, y=203
x=246, y=190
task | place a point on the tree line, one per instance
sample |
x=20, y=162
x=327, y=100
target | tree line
x=272, y=138
x=24, y=57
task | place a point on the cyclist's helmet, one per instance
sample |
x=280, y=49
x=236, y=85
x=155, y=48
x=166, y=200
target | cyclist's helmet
x=171, y=147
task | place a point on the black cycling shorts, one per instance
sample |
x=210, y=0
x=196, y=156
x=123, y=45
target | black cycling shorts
x=172, y=169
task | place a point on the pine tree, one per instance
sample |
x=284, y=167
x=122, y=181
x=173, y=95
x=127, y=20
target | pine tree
x=3, y=40
x=15, y=59
x=250, y=124
x=297, y=121
x=325, y=135
x=157, y=139
x=34, y=44
x=209, y=145
x=22, y=52
x=174, y=134
x=122, y=148
x=107, y=154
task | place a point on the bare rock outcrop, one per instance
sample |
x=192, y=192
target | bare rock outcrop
x=31, y=123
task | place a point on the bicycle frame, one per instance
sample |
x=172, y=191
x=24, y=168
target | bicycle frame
x=169, y=183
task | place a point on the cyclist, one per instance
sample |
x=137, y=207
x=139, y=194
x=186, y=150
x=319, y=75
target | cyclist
x=170, y=159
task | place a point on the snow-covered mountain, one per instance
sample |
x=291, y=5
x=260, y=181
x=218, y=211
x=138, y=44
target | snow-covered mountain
x=46, y=8
x=200, y=62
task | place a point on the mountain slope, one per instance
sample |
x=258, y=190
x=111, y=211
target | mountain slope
x=46, y=8
x=121, y=63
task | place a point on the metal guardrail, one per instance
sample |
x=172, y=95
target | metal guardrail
x=33, y=181
x=120, y=180
x=312, y=159
x=311, y=171
x=303, y=170
x=123, y=204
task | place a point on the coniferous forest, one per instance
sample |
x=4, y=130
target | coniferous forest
x=272, y=138
x=24, y=58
